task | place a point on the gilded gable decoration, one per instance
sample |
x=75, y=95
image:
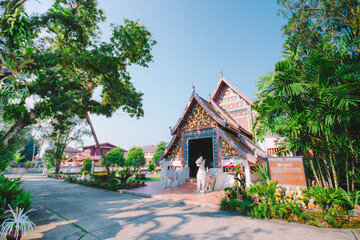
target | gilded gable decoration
x=175, y=153
x=198, y=118
x=227, y=150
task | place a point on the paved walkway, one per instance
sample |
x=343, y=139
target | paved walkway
x=181, y=194
x=71, y=211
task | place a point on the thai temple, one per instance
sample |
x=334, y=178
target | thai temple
x=218, y=129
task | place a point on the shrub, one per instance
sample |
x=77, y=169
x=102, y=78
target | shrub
x=113, y=183
x=70, y=179
x=87, y=164
x=266, y=190
x=325, y=197
x=115, y=157
x=100, y=176
x=48, y=166
x=151, y=167
x=12, y=194
x=263, y=173
x=124, y=174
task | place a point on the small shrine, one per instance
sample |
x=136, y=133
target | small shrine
x=219, y=130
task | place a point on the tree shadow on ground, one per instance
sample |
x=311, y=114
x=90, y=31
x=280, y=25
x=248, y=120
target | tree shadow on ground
x=68, y=211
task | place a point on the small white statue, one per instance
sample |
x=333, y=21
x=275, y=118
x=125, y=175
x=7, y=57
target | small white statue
x=167, y=176
x=205, y=179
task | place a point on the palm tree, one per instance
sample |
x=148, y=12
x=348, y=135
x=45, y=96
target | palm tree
x=313, y=100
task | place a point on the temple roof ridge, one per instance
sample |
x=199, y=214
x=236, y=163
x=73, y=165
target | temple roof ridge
x=222, y=81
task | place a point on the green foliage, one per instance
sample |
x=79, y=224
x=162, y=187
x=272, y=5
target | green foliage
x=135, y=158
x=151, y=167
x=71, y=63
x=124, y=175
x=263, y=172
x=266, y=189
x=70, y=179
x=115, y=157
x=6, y=156
x=11, y=193
x=160, y=148
x=87, y=164
x=27, y=165
x=312, y=99
x=351, y=199
x=48, y=166
x=325, y=197
x=27, y=152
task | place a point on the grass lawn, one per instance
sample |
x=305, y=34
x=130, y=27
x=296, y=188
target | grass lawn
x=149, y=178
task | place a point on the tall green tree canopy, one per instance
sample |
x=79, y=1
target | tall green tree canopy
x=135, y=157
x=116, y=157
x=31, y=149
x=71, y=62
x=312, y=99
x=160, y=148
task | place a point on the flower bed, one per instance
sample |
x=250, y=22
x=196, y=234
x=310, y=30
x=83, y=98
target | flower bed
x=316, y=205
x=261, y=201
x=117, y=180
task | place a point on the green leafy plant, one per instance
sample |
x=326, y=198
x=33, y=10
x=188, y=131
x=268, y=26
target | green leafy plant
x=70, y=179
x=48, y=166
x=19, y=223
x=263, y=172
x=325, y=197
x=351, y=199
x=151, y=167
x=87, y=164
x=266, y=190
x=11, y=194
x=124, y=174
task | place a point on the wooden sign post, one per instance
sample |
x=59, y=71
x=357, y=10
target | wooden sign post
x=288, y=171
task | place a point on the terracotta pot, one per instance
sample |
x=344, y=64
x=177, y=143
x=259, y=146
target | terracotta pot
x=11, y=235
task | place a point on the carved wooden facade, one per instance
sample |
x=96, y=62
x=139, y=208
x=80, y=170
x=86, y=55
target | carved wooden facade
x=225, y=120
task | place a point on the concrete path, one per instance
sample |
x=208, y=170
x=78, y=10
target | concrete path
x=71, y=211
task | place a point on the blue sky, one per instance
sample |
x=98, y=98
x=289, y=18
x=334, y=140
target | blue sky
x=195, y=39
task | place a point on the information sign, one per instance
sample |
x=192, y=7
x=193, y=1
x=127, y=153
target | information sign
x=288, y=171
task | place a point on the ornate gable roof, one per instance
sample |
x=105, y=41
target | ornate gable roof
x=204, y=107
x=225, y=83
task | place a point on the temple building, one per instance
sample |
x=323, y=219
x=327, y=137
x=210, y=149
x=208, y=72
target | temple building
x=219, y=130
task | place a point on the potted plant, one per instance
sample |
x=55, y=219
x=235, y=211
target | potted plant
x=17, y=225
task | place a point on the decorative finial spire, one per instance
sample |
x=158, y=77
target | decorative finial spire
x=221, y=73
x=170, y=129
x=237, y=86
x=193, y=87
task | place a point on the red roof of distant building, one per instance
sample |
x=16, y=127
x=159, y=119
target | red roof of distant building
x=149, y=148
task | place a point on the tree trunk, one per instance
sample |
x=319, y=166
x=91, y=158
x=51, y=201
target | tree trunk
x=336, y=180
x=314, y=171
x=321, y=173
x=97, y=143
x=352, y=173
x=15, y=130
x=327, y=171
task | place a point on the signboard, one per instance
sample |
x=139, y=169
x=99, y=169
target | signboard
x=288, y=171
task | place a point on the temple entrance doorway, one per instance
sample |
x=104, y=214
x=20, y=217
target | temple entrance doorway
x=200, y=147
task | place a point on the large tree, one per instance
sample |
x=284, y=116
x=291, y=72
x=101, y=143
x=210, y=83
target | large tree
x=71, y=63
x=313, y=96
x=116, y=157
x=135, y=158
x=160, y=148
